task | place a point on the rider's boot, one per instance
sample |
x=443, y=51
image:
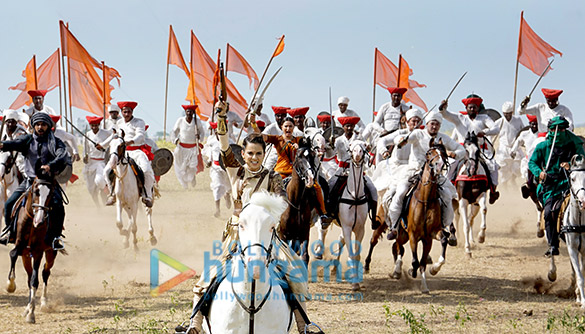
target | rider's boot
x=197, y=321
x=325, y=218
x=525, y=189
x=494, y=194
x=302, y=325
x=148, y=186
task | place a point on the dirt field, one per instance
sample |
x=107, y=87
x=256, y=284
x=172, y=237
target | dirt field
x=102, y=288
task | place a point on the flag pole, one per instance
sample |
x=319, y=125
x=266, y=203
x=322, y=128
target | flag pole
x=69, y=86
x=193, y=73
x=167, y=85
x=64, y=79
x=227, y=58
x=399, y=70
x=374, y=89
x=105, y=92
x=35, y=71
x=517, y=59
x=60, y=98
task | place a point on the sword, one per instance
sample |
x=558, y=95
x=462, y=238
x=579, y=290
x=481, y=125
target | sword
x=75, y=128
x=540, y=78
x=331, y=116
x=457, y=84
x=551, y=148
x=266, y=87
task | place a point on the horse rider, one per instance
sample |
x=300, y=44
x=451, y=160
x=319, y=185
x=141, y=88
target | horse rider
x=70, y=141
x=482, y=125
x=280, y=114
x=43, y=153
x=343, y=111
x=38, y=97
x=93, y=158
x=510, y=127
x=13, y=130
x=396, y=164
x=187, y=134
x=114, y=122
x=286, y=146
x=245, y=180
x=257, y=106
x=420, y=140
x=529, y=139
x=299, y=117
x=547, y=162
x=328, y=163
x=137, y=150
x=220, y=183
x=338, y=180
x=391, y=114
x=544, y=112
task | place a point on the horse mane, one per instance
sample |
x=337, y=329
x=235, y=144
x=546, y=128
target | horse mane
x=471, y=137
x=274, y=204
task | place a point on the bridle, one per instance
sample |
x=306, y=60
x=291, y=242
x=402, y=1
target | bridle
x=36, y=206
x=302, y=165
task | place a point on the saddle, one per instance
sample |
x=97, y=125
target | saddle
x=414, y=180
x=139, y=175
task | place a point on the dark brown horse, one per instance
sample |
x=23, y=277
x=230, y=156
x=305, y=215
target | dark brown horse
x=424, y=218
x=295, y=222
x=32, y=227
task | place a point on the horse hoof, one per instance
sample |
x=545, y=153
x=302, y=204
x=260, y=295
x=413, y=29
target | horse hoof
x=10, y=287
x=153, y=240
x=396, y=275
x=469, y=256
x=552, y=276
x=426, y=292
x=433, y=271
x=452, y=241
x=355, y=287
x=124, y=232
x=540, y=233
x=481, y=238
x=126, y=244
x=412, y=273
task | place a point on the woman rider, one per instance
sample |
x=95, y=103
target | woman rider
x=245, y=180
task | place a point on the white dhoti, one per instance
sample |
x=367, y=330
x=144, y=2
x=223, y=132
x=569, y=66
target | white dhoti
x=185, y=163
x=220, y=183
x=93, y=172
x=142, y=161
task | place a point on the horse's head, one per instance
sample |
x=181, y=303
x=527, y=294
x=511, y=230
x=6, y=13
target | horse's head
x=577, y=179
x=117, y=151
x=6, y=162
x=304, y=163
x=358, y=150
x=436, y=156
x=257, y=222
x=42, y=193
x=318, y=142
x=471, y=146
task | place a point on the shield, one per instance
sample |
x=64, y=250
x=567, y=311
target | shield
x=237, y=150
x=162, y=162
x=65, y=175
x=492, y=113
x=337, y=131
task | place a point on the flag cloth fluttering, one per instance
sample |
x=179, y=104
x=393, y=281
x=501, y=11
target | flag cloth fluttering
x=47, y=79
x=174, y=55
x=386, y=74
x=237, y=63
x=279, y=47
x=533, y=51
x=201, y=83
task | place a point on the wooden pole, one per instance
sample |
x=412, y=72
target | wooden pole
x=64, y=79
x=517, y=57
x=60, y=98
x=105, y=95
x=192, y=73
x=167, y=85
x=35, y=71
x=227, y=59
x=374, y=89
x=399, y=70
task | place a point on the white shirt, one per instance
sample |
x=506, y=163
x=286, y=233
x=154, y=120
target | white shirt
x=544, y=114
x=389, y=117
x=509, y=130
x=187, y=132
x=101, y=137
x=134, y=130
x=342, y=147
x=420, y=140
x=273, y=129
x=114, y=123
x=400, y=155
x=69, y=139
x=528, y=139
x=464, y=124
x=348, y=113
x=46, y=109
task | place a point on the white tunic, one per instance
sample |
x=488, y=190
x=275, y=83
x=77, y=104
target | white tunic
x=528, y=140
x=46, y=109
x=186, y=132
x=102, y=137
x=186, y=159
x=348, y=113
x=94, y=168
x=234, y=121
x=420, y=140
x=464, y=124
x=114, y=123
x=220, y=184
x=135, y=131
x=509, y=130
x=69, y=140
x=342, y=147
x=544, y=114
x=389, y=117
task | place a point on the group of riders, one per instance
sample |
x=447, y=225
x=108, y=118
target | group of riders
x=398, y=140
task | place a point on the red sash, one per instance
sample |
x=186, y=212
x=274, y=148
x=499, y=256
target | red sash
x=216, y=162
x=144, y=148
x=471, y=178
x=342, y=164
x=189, y=145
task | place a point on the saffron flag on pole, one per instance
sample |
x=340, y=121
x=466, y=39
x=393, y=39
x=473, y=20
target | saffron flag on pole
x=47, y=79
x=533, y=51
x=279, y=47
x=201, y=83
x=386, y=74
x=174, y=54
x=237, y=63
x=410, y=95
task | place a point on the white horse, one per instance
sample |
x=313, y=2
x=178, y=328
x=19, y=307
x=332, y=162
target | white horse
x=127, y=193
x=574, y=225
x=353, y=207
x=248, y=300
x=8, y=178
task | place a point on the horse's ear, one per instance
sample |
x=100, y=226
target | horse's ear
x=432, y=142
x=440, y=142
x=577, y=159
x=122, y=133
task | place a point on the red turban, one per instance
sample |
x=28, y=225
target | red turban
x=213, y=125
x=146, y=127
x=348, y=120
x=472, y=100
x=127, y=104
x=260, y=123
x=55, y=118
x=93, y=119
x=531, y=118
x=298, y=111
x=279, y=110
x=189, y=106
x=324, y=118
x=398, y=90
x=551, y=93
x=463, y=112
x=37, y=92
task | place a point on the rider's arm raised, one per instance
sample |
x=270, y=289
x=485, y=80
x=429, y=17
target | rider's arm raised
x=20, y=144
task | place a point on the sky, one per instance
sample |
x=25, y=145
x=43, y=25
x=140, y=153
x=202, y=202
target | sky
x=327, y=44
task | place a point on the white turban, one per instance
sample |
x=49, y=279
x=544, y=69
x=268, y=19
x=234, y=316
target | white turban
x=414, y=112
x=507, y=107
x=343, y=99
x=434, y=116
x=113, y=107
x=11, y=114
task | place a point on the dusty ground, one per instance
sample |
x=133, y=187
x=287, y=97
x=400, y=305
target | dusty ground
x=102, y=288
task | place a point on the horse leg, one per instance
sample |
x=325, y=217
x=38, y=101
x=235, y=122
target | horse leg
x=11, y=285
x=356, y=257
x=483, y=207
x=32, y=269
x=398, y=252
x=341, y=244
x=427, y=244
x=415, y=263
x=133, y=228
x=320, y=248
x=373, y=242
x=539, y=227
x=119, y=222
x=552, y=270
x=437, y=266
x=50, y=256
x=153, y=239
x=463, y=203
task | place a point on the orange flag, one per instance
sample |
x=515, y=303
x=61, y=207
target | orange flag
x=174, y=54
x=410, y=95
x=47, y=79
x=279, y=47
x=235, y=62
x=201, y=83
x=533, y=51
x=386, y=76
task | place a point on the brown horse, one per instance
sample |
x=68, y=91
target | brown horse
x=424, y=218
x=295, y=222
x=32, y=227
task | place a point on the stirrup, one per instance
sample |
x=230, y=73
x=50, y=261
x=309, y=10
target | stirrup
x=308, y=326
x=57, y=244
